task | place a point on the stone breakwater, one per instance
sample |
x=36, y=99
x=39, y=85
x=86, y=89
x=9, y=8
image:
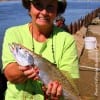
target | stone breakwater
x=79, y=28
x=83, y=21
x=89, y=60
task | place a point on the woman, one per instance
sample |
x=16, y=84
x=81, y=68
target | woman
x=42, y=37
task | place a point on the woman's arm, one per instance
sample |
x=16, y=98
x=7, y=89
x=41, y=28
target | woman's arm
x=13, y=74
x=19, y=74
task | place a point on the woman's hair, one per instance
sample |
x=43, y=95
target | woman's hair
x=61, y=5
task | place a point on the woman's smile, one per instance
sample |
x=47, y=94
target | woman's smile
x=43, y=20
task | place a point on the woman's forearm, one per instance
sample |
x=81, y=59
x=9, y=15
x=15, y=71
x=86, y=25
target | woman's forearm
x=13, y=74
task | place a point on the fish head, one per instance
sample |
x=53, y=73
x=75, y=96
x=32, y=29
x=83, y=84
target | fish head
x=22, y=55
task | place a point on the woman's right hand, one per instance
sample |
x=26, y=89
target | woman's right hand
x=31, y=72
x=19, y=74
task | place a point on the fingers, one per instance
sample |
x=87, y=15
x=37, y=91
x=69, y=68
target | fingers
x=59, y=90
x=49, y=89
x=30, y=72
x=23, y=68
x=54, y=90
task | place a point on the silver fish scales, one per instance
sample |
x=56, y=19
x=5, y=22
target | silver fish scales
x=48, y=71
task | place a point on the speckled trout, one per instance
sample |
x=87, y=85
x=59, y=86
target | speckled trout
x=48, y=71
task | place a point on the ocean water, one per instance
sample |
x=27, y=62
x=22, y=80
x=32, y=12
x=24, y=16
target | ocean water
x=12, y=13
x=76, y=10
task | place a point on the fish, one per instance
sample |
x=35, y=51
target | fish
x=48, y=71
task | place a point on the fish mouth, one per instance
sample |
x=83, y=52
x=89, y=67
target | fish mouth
x=11, y=46
x=14, y=47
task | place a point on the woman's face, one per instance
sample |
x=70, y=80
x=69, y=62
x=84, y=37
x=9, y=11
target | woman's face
x=43, y=12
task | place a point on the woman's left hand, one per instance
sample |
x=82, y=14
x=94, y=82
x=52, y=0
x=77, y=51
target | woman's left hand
x=54, y=91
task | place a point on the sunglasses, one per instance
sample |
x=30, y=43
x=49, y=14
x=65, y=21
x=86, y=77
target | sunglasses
x=39, y=6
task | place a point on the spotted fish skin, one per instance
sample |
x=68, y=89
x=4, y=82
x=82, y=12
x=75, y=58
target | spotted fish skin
x=48, y=71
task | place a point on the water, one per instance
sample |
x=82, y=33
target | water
x=12, y=13
x=76, y=10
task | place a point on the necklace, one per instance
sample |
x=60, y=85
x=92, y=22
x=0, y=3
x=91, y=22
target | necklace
x=44, y=46
x=53, y=52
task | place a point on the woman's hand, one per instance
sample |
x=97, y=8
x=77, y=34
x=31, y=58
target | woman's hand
x=31, y=72
x=53, y=91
